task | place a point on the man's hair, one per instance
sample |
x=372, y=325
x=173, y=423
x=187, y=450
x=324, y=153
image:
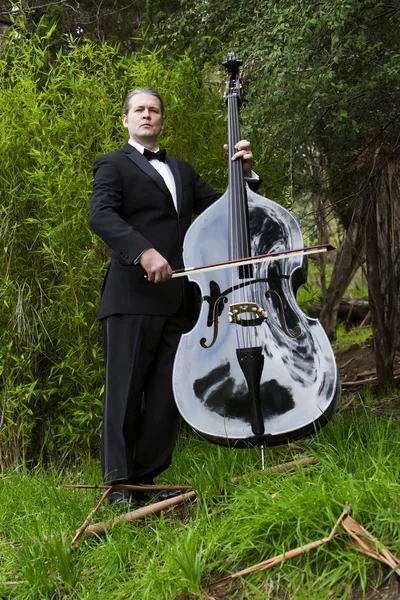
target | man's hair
x=127, y=100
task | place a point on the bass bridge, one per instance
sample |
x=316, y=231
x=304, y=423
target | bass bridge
x=237, y=309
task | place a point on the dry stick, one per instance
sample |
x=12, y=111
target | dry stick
x=365, y=320
x=303, y=462
x=358, y=382
x=308, y=460
x=125, y=486
x=368, y=544
x=10, y=543
x=80, y=531
x=140, y=513
x=347, y=363
x=367, y=380
x=271, y=562
x=366, y=373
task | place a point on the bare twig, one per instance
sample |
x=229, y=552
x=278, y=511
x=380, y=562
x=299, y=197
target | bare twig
x=303, y=462
x=86, y=522
x=365, y=320
x=271, y=562
x=140, y=513
x=365, y=380
x=125, y=486
x=364, y=541
x=347, y=363
x=368, y=544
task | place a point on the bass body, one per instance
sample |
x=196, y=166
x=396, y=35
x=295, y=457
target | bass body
x=299, y=384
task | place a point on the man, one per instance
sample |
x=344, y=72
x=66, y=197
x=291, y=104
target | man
x=142, y=207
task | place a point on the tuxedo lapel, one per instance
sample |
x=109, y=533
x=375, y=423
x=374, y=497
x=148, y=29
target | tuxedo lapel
x=145, y=166
x=173, y=165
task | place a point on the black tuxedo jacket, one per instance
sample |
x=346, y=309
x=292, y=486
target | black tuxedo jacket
x=132, y=210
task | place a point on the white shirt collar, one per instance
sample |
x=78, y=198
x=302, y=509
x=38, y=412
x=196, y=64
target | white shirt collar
x=139, y=146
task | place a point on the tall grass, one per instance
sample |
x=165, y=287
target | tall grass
x=230, y=527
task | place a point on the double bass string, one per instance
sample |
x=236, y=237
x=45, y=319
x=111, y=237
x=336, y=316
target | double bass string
x=239, y=209
x=233, y=222
x=240, y=203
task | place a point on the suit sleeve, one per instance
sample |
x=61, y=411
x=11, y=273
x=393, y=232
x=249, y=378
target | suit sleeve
x=105, y=213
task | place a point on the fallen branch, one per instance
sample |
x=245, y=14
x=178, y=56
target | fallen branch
x=271, y=562
x=86, y=530
x=86, y=522
x=365, y=543
x=345, y=384
x=346, y=363
x=125, y=486
x=350, y=309
x=366, y=320
x=140, y=513
x=368, y=544
x=363, y=381
x=303, y=462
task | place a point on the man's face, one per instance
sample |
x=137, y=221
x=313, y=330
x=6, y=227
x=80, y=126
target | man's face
x=144, y=120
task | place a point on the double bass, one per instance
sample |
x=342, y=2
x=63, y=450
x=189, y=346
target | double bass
x=255, y=369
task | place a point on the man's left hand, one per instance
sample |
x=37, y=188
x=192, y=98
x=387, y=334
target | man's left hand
x=243, y=151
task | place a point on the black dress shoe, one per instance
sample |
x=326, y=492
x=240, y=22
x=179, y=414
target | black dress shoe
x=146, y=497
x=122, y=500
x=170, y=494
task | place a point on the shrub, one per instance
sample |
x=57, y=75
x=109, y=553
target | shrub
x=61, y=107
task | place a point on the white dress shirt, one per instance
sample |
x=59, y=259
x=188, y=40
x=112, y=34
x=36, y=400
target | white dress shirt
x=162, y=168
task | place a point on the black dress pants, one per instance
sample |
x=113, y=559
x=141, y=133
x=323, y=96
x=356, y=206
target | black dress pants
x=140, y=417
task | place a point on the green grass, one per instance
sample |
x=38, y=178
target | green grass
x=231, y=526
x=346, y=337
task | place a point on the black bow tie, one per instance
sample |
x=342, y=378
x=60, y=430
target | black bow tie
x=160, y=155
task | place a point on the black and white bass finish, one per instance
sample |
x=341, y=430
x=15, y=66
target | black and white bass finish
x=254, y=369
x=299, y=387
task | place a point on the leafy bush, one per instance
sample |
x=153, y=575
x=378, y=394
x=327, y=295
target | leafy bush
x=61, y=107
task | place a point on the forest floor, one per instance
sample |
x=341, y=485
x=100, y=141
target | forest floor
x=357, y=366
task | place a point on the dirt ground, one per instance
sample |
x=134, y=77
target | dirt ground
x=357, y=364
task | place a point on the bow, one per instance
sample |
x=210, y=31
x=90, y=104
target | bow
x=255, y=259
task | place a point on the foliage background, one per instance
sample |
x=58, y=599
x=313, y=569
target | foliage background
x=323, y=81
x=61, y=107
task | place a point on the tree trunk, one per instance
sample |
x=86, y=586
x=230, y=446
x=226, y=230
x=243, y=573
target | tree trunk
x=383, y=263
x=351, y=310
x=320, y=204
x=348, y=260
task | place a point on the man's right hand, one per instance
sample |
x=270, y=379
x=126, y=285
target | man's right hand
x=155, y=265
